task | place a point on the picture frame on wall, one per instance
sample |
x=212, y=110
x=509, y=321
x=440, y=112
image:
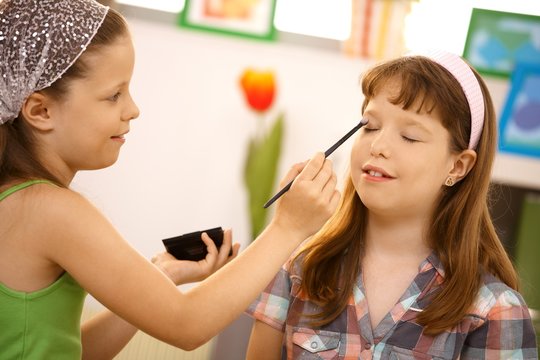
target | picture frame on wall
x=497, y=40
x=520, y=119
x=246, y=18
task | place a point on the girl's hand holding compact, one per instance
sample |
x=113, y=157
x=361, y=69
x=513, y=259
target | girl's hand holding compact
x=185, y=271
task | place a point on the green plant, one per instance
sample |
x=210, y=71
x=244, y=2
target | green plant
x=264, y=149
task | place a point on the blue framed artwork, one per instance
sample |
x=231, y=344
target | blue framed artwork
x=497, y=40
x=520, y=119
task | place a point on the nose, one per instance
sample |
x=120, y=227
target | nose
x=380, y=145
x=132, y=110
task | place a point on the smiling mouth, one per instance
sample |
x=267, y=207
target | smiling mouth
x=378, y=174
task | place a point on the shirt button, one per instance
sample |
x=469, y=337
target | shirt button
x=314, y=345
x=368, y=346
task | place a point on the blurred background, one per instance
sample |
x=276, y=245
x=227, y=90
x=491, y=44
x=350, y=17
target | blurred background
x=184, y=164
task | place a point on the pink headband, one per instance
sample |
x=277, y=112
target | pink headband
x=469, y=83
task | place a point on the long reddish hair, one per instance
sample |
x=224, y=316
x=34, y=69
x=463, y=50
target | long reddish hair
x=460, y=232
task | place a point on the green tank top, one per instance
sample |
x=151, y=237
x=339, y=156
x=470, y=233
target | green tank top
x=43, y=324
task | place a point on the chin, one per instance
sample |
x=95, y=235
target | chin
x=377, y=203
x=110, y=163
x=102, y=164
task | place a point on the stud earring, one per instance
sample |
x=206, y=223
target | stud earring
x=449, y=181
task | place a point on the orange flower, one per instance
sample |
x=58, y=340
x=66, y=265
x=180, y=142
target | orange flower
x=259, y=88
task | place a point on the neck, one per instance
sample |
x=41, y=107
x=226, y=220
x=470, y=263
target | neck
x=59, y=168
x=397, y=237
x=65, y=179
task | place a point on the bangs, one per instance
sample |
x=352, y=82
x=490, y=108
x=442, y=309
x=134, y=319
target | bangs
x=408, y=92
x=419, y=84
x=413, y=89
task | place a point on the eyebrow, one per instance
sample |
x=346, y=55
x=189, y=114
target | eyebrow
x=115, y=86
x=120, y=84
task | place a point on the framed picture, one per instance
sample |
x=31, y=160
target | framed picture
x=520, y=119
x=247, y=18
x=497, y=40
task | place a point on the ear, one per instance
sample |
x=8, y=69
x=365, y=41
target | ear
x=463, y=163
x=36, y=111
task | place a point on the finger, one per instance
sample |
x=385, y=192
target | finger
x=210, y=245
x=160, y=257
x=329, y=188
x=212, y=255
x=225, y=248
x=235, y=251
x=313, y=167
x=293, y=172
x=324, y=175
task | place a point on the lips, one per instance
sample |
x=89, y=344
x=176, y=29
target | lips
x=120, y=137
x=376, y=172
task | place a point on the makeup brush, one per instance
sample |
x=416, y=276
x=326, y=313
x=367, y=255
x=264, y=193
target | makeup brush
x=326, y=154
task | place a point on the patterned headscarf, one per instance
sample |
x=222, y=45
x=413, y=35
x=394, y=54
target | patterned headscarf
x=39, y=41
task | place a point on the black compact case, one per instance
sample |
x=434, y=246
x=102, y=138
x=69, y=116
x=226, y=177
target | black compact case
x=190, y=246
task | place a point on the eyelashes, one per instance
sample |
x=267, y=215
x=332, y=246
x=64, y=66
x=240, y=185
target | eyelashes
x=409, y=140
x=115, y=97
x=405, y=138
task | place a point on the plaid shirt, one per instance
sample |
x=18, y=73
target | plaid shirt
x=498, y=327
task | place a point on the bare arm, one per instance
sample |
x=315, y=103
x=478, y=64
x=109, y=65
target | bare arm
x=265, y=342
x=106, y=334
x=134, y=289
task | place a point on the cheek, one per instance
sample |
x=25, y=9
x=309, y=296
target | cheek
x=430, y=182
x=358, y=151
x=358, y=158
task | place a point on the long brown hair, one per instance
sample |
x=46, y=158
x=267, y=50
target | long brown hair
x=18, y=146
x=461, y=231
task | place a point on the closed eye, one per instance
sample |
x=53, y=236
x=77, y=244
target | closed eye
x=407, y=139
x=369, y=129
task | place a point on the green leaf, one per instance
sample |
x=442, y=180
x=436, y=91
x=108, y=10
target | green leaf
x=260, y=174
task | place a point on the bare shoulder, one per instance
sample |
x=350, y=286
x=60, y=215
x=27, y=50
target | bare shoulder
x=48, y=205
x=46, y=194
x=59, y=215
x=44, y=204
x=44, y=229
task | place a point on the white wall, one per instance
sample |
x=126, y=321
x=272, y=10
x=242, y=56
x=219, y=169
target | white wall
x=181, y=167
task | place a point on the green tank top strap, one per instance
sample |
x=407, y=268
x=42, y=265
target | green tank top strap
x=23, y=185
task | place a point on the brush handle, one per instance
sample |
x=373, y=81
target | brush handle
x=326, y=154
x=342, y=140
x=278, y=195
